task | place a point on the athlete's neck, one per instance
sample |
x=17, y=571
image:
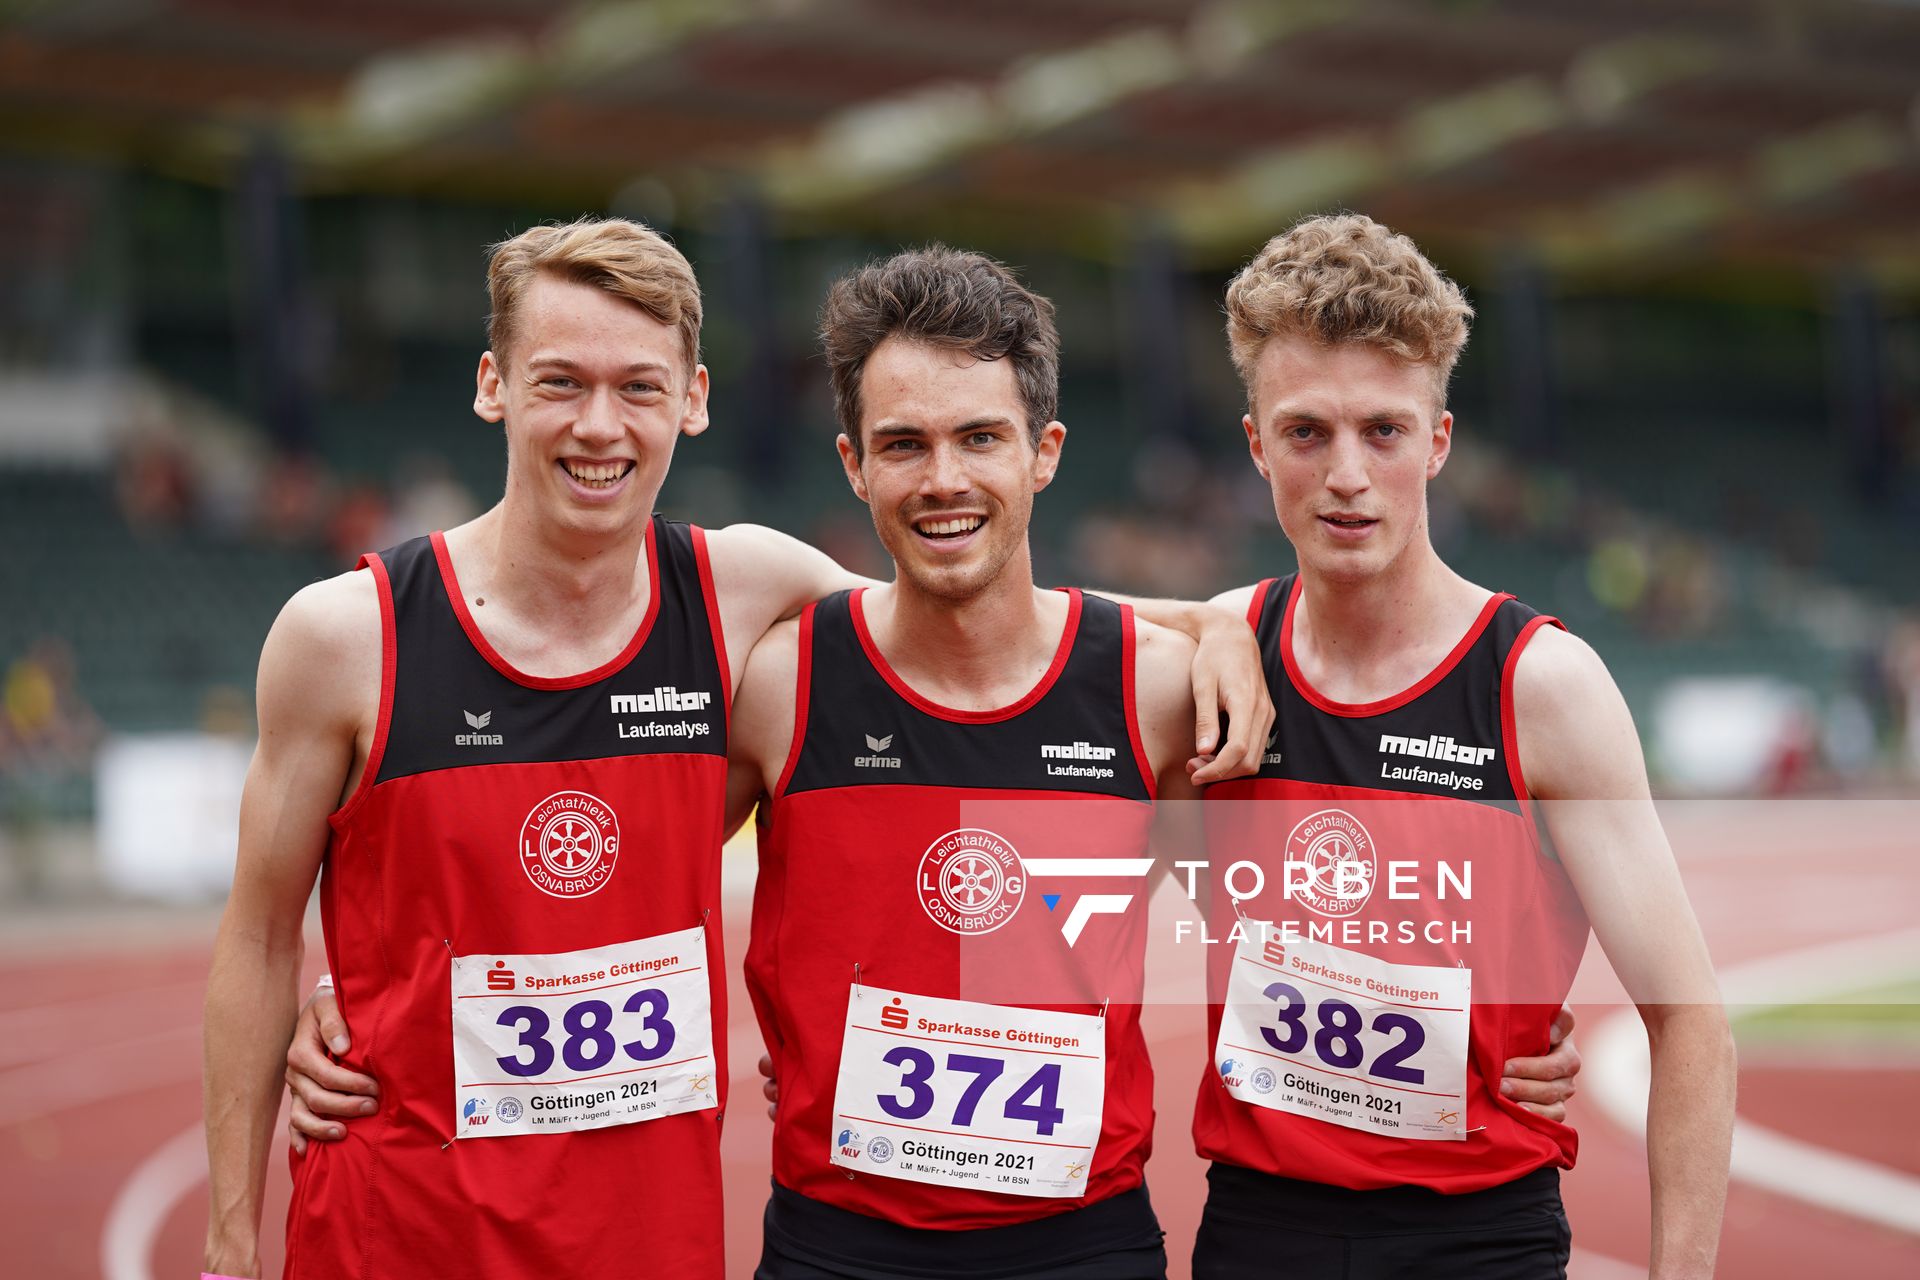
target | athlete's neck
x=978, y=654
x=1362, y=640
x=552, y=595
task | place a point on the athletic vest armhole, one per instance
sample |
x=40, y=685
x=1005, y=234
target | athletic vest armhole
x=1509, y=728
x=383, y=591
x=1128, y=638
x=1259, y=601
x=707, y=593
x=802, y=687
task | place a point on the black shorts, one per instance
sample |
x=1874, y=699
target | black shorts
x=1114, y=1239
x=1256, y=1225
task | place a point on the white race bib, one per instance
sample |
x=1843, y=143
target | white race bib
x=582, y=1039
x=1339, y=1036
x=969, y=1095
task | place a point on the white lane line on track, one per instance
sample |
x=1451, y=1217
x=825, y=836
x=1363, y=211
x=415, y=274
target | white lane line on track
x=41, y=1031
x=144, y=1203
x=108, y=1071
x=1588, y=1265
x=1620, y=1072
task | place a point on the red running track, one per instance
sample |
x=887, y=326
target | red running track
x=99, y=1071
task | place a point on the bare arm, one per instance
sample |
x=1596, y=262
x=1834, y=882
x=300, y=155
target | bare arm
x=761, y=576
x=1580, y=753
x=1225, y=674
x=318, y=689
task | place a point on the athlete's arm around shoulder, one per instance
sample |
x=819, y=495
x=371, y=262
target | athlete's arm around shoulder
x=760, y=576
x=318, y=697
x=1579, y=753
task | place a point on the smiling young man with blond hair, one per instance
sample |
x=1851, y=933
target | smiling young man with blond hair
x=503, y=749
x=1421, y=916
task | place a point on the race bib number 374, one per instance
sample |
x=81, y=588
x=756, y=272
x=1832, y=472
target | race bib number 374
x=969, y=1095
x=1340, y=1036
x=582, y=1039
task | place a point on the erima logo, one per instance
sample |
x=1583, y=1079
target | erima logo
x=876, y=760
x=1075, y=751
x=479, y=721
x=1273, y=750
x=1435, y=748
x=663, y=698
x=1087, y=905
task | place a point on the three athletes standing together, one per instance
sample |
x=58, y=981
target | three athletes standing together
x=596, y=694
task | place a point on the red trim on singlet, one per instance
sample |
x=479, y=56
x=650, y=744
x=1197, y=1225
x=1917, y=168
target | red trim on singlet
x=513, y=673
x=1260, y=590
x=1354, y=710
x=1133, y=718
x=389, y=652
x=1509, y=727
x=802, y=685
x=707, y=593
x=933, y=708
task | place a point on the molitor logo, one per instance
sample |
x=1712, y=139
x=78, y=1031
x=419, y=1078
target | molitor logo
x=971, y=881
x=569, y=844
x=1331, y=863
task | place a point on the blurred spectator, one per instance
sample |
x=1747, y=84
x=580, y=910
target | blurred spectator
x=1902, y=662
x=47, y=737
x=293, y=498
x=358, y=523
x=427, y=497
x=154, y=483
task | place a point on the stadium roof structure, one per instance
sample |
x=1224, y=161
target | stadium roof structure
x=1593, y=132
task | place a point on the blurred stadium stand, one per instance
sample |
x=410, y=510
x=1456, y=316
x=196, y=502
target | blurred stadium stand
x=241, y=295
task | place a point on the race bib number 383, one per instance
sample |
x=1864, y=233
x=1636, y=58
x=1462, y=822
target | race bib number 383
x=582, y=1039
x=969, y=1095
x=1340, y=1036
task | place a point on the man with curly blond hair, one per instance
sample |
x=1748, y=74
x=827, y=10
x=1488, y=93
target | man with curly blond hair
x=1421, y=912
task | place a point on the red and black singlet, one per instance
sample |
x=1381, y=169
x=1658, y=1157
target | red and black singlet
x=506, y=813
x=1425, y=789
x=878, y=777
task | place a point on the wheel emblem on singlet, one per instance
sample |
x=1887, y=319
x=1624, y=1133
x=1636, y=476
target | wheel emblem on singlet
x=1331, y=864
x=971, y=881
x=569, y=844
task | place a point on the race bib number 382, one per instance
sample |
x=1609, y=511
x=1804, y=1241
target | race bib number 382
x=1344, y=1037
x=582, y=1039
x=964, y=1094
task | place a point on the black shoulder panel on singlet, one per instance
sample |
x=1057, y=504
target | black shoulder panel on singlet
x=1444, y=741
x=860, y=731
x=453, y=708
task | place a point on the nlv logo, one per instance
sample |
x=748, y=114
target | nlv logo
x=1087, y=905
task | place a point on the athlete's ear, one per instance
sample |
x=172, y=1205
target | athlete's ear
x=1442, y=444
x=487, y=401
x=1255, y=445
x=850, y=462
x=1053, y=438
x=693, y=419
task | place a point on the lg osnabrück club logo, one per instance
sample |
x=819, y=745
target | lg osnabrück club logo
x=972, y=881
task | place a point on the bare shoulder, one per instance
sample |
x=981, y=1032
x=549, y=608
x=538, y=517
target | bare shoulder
x=757, y=559
x=1163, y=693
x=1577, y=739
x=323, y=656
x=1236, y=600
x=1162, y=664
x=763, y=711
